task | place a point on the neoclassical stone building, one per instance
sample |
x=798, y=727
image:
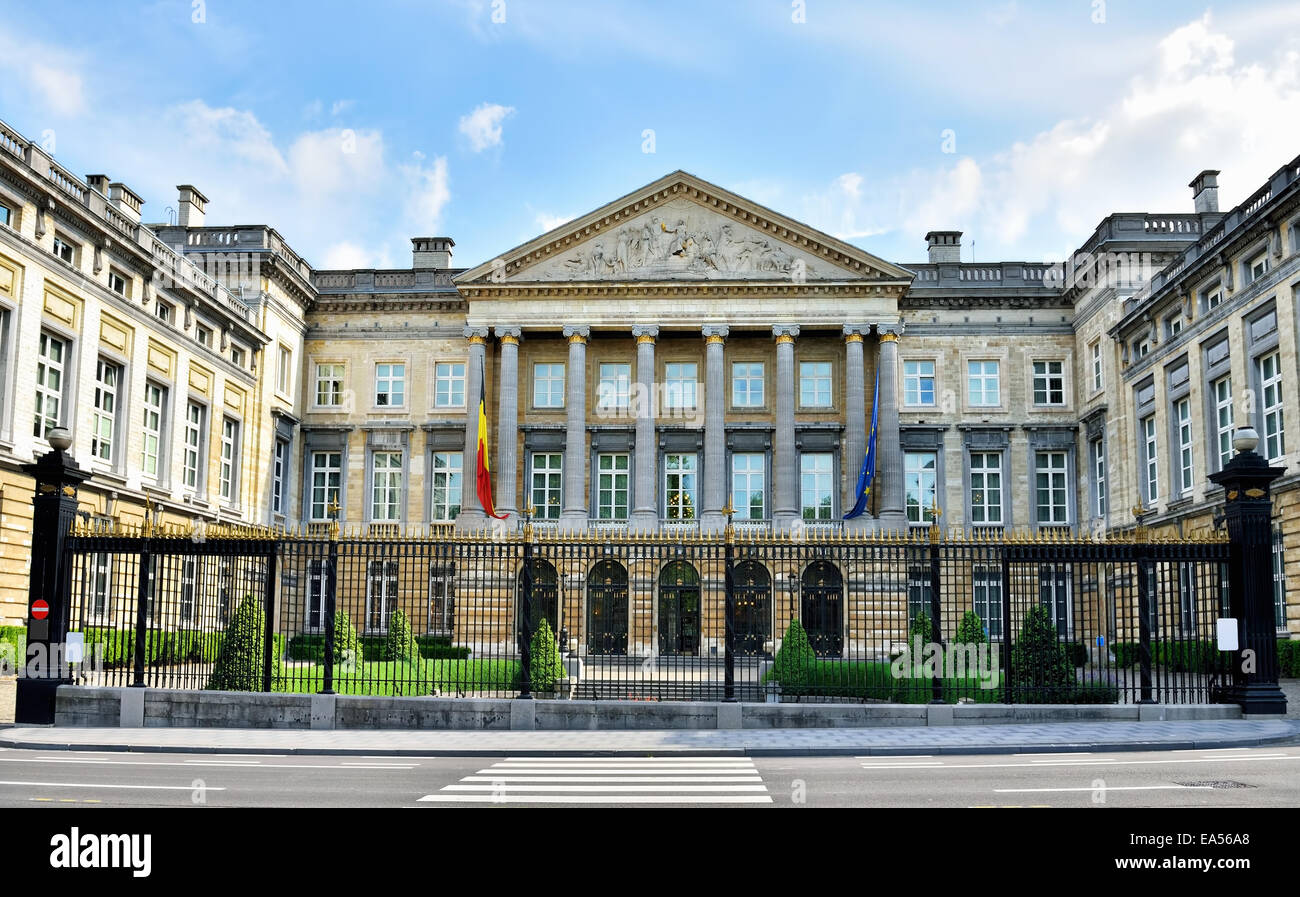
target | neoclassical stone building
x=677, y=350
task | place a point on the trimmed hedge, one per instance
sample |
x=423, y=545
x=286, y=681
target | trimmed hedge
x=399, y=643
x=311, y=648
x=1288, y=658
x=13, y=649
x=1180, y=657
x=161, y=646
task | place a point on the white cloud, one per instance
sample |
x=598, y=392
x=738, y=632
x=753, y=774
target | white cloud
x=1193, y=105
x=483, y=125
x=339, y=106
x=51, y=73
x=426, y=191
x=347, y=255
x=548, y=222
x=336, y=160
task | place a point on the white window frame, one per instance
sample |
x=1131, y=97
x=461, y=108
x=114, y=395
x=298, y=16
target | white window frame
x=326, y=483
x=1271, y=389
x=390, y=381
x=749, y=479
x=917, y=476
x=1150, y=459
x=106, y=405
x=283, y=369
x=681, y=384
x=546, y=484
x=330, y=377
x=613, y=485
x=748, y=373
x=386, y=488
x=1098, y=371
x=64, y=250
x=983, y=384
x=153, y=425
x=1098, y=449
x=1054, y=465
x=816, y=384
x=164, y=311
x=681, y=486
x=1047, y=375
x=203, y=335
x=278, y=465
x=448, y=379
x=1256, y=267
x=381, y=588
x=988, y=511
x=47, y=366
x=1224, y=425
x=816, y=483
x=1186, y=459
x=445, y=486
x=192, y=456
x=916, y=371
x=548, y=385
x=986, y=597
x=228, y=471
x=614, y=385
x=119, y=283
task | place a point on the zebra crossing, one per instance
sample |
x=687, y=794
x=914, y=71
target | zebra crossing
x=610, y=780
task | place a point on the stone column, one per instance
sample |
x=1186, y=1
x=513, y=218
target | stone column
x=573, y=516
x=784, y=459
x=471, y=516
x=645, y=506
x=507, y=468
x=715, y=450
x=855, y=398
x=889, y=453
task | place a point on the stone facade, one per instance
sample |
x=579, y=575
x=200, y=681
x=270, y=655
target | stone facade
x=676, y=351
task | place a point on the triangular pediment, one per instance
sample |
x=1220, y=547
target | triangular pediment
x=681, y=228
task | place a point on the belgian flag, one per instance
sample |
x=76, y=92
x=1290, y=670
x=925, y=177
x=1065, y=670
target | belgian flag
x=482, y=479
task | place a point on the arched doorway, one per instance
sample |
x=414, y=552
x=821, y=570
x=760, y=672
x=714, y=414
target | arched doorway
x=753, y=591
x=546, y=597
x=679, y=609
x=823, y=608
x=607, y=609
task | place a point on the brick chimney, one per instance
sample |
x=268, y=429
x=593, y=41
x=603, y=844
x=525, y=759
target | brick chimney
x=191, y=206
x=431, y=252
x=1205, y=191
x=944, y=245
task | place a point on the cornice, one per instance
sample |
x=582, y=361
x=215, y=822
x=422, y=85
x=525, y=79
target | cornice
x=667, y=289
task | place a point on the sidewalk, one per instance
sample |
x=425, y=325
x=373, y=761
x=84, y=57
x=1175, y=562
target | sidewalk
x=993, y=739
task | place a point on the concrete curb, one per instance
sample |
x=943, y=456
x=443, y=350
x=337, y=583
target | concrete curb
x=830, y=751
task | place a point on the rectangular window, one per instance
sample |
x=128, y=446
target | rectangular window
x=155, y=408
x=236, y=356
x=816, y=492
x=612, y=486
x=442, y=597
x=99, y=582
x=815, y=384
x=104, y=421
x=615, y=383
x=195, y=434
x=1097, y=377
x=1279, y=582
x=1273, y=432
x=117, y=283
x=381, y=594
x=1098, y=448
x=163, y=312
x=1173, y=326
x=1142, y=348
x=1049, y=480
x=1183, y=420
x=283, y=369
x=315, y=594
x=1049, y=383
x=1054, y=594
x=277, y=476
x=748, y=495
x=1256, y=267
x=986, y=583
x=1213, y=298
x=680, y=383
x=449, y=385
x=228, y=480
x=918, y=594
x=1152, y=491
x=918, y=382
x=203, y=335
x=920, y=470
x=326, y=477
x=51, y=355
x=64, y=250
x=386, y=486
x=6, y=216
x=188, y=573
x=986, y=488
x=983, y=386
x=329, y=385
x=548, y=386
x=747, y=384
x=390, y=385
x=1223, y=426
x=445, y=498
x=680, y=486
x=548, y=484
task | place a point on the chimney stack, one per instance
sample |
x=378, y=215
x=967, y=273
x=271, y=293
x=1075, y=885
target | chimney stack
x=945, y=245
x=125, y=200
x=431, y=252
x=191, y=207
x=1205, y=191
x=98, y=182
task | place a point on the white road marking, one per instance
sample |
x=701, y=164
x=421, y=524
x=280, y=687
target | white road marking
x=599, y=799
x=1098, y=762
x=663, y=778
x=99, y=785
x=1108, y=788
x=617, y=788
x=193, y=764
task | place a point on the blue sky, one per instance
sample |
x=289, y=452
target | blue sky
x=352, y=127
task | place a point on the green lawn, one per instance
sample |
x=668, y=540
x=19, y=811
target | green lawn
x=397, y=678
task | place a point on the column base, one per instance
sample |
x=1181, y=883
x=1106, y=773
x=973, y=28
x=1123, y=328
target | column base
x=712, y=522
x=891, y=521
x=1264, y=698
x=783, y=521
x=471, y=521
x=643, y=521
x=572, y=522
x=864, y=523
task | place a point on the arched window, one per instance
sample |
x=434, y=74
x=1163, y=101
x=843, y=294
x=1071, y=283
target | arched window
x=823, y=608
x=753, y=591
x=607, y=609
x=679, y=609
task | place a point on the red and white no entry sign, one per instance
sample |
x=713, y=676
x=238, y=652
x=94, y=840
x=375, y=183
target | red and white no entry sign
x=40, y=609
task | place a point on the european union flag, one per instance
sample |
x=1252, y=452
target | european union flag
x=868, y=472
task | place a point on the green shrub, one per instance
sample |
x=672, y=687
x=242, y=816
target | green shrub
x=13, y=649
x=794, y=662
x=546, y=665
x=239, y=665
x=970, y=631
x=1094, y=693
x=399, y=644
x=1077, y=652
x=347, y=647
x=1041, y=671
x=1288, y=658
x=921, y=628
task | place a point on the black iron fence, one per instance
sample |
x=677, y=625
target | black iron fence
x=972, y=617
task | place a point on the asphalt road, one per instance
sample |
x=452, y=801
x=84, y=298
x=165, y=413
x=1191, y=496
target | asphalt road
x=1247, y=777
